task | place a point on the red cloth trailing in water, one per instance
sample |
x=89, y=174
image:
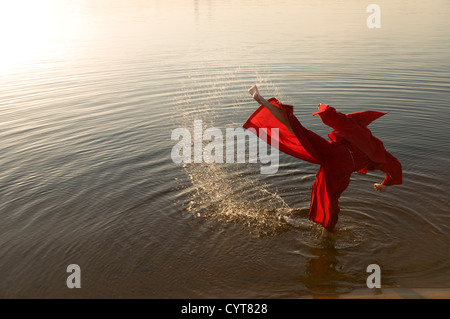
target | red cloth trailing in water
x=352, y=147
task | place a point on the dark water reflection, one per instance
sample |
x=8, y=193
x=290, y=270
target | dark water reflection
x=86, y=175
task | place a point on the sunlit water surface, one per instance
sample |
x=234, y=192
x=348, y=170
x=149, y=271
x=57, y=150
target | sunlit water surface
x=90, y=92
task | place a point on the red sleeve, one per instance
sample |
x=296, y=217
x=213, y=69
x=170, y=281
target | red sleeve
x=393, y=170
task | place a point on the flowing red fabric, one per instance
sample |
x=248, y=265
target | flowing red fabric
x=288, y=143
x=353, y=128
x=352, y=148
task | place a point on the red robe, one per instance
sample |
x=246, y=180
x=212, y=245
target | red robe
x=351, y=148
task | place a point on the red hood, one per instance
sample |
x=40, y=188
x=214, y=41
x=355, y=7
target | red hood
x=353, y=128
x=363, y=118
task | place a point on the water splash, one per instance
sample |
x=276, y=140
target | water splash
x=231, y=193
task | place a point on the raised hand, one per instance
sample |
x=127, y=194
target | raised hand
x=379, y=187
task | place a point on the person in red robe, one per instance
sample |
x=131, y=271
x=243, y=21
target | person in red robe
x=351, y=148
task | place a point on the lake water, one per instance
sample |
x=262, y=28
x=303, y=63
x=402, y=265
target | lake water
x=90, y=92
